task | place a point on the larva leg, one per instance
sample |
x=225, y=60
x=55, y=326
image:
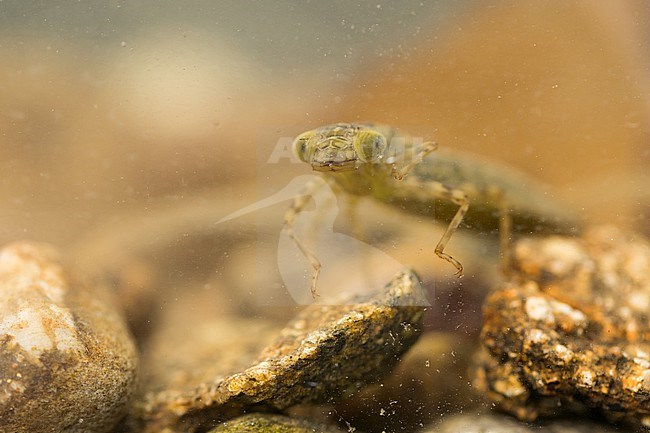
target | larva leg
x=298, y=205
x=427, y=148
x=460, y=198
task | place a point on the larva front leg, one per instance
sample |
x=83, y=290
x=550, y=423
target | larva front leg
x=298, y=205
x=460, y=198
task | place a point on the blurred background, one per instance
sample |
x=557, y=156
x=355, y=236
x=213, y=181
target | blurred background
x=127, y=129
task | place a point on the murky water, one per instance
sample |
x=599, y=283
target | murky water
x=129, y=129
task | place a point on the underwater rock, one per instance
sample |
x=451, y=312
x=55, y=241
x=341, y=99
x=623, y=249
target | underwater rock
x=265, y=423
x=571, y=331
x=323, y=353
x=67, y=361
x=488, y=423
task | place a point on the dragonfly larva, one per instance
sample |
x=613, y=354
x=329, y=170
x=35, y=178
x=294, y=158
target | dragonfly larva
x=380, y=162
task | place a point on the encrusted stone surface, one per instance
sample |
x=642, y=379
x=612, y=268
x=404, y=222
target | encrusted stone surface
x=322, y=353
x=571, y=331
x=67, y=361
x=265, y=423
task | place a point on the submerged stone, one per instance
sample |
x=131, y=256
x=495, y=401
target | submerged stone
x=570, y=332
x=493, y=423
x=323, y=353
x=266, y=423
x=67, y=362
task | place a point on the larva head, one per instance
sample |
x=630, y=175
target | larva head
x=340, y=147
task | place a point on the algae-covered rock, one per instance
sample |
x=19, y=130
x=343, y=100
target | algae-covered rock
x=264, y=423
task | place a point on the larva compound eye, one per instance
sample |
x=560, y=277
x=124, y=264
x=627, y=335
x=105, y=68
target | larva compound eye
x=301, y=148
x=369, y=145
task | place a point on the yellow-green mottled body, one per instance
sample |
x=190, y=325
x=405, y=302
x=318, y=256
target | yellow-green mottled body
x=485, y=183
x=377, y=161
